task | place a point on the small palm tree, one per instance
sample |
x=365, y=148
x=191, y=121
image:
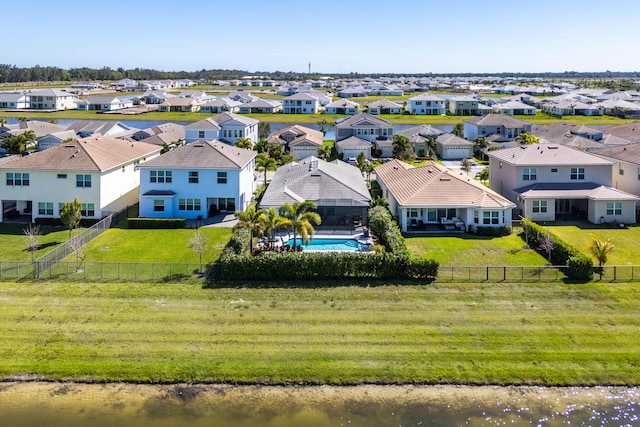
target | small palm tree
x=600, y=250
x=301, y=218
x=324, y=152
x=244, y=143
x=401, y=147
x=265, y=163
x=465, y=165
x=483, y=175
x=274, y=222
x=252, y=219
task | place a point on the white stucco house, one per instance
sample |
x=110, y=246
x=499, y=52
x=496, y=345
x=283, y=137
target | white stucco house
x=104, y=103
x=52, y=99
x=100, y=171
x=197, y=180
x=226, y=127
x=301, y=103
x=427, y=104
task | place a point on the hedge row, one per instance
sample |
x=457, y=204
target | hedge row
x=387, y=231
x=579, y=266
x=323, y=266
x=156, y=223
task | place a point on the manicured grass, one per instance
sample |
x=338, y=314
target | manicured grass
x=12, y=241
x=471, y=250
x=625, y=240
x=154, y=245
x=548, y=334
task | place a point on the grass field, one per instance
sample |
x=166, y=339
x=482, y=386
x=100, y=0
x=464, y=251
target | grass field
x=548, y=334
x=154, y=245
x=471, y=250
x=625, y=240
x=12, y=241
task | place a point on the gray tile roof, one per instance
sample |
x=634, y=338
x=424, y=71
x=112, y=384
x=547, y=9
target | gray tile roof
x=626, y=153
x=449, y=139
x=204, y=155
x=578, y=190
x=498, y=120
x=546, y=154
x=325, y=183
x=358, y=119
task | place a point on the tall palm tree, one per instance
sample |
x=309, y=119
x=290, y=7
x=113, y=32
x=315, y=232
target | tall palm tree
x=480, y=144
x=301, y=218
x=265, y=163
x=252, y=219
x=274, y=222
x=600, y=250
x=401, y=147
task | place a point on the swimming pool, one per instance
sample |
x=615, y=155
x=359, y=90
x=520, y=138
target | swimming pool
x=332, y=244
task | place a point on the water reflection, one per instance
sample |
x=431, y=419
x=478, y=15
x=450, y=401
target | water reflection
x=70, y=404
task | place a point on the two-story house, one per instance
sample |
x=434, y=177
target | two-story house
x=226, y=127
x=370, y=128
x=52, y=99
x=100, y=171
x=301, y=103
x=427, y=104
x=197, y=180
x=550, y=182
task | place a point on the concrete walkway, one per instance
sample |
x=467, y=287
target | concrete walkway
x=224, y=219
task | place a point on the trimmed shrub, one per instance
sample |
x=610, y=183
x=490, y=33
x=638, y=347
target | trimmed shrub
x=156, y=223
x=504, y=230
x=387, y=231
x=56, y=222
x=238, y=242
x=580, y=266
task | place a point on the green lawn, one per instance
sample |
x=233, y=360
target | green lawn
x=126, y=245
x=12, y=241
x=545, y=333
x=471, y=250
x=625, y=240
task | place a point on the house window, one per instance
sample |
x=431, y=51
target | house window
x=614, y=208
x=529, y=174
x=158, y=205
x=539, y=206
x=200, y=134
x=45, y=208
x=554, y=170
x=83, y=181
x=222, y=177
x=88, y=209
x=476, y=217
x=160, y=176
x=577, y=173
x=432, y=214
x=412, y=213
x=17, y=179
x=193, y=177
x=62, y=176
x=621, y=169
x=491, y=217
x=189, y=204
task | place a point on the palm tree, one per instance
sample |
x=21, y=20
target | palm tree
x=324, y=152
x=431, y=145
x=3, y=121
x=252, y=219
x=301, y=218
x=244, y=143
x=600, y=250
x=458, y=130
x=274, y=222
x=465, y=165
x=401, y=147
x=480, y=144
x=483, y=175
x=265, y=163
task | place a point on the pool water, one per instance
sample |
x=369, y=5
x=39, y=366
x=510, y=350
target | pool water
x=330, y=244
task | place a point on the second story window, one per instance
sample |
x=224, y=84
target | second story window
x=222, y=177
x=621, y=169
x=83, y=181
x=529, y=174
x=200, y=134
x=17, y=179
x=577, y=173
x=160, y=176
x=193, y=177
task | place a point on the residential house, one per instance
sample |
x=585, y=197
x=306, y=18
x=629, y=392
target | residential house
x=165, y=133
x=626, y=166
x=301, y=141
x=301, y=103
x=156, y=97
x=113, y=129
x=14, y=100
x=572, y=135
x=368, y=127
x=550, y=182
x=261, y=106
x=499, y=124
x=52, y=99
x=465, y=106
x=39, y=128
x=432, y=195
x=514, y=108
x=350, y=148
x=226, y=127
x=427, y=104
x=180, y=105
x=197, y=180
x=572, y=108
x=54, y=139
x=420, y=137
x=384, y=106
x=100, y=171
x=342, y=106
x=104, y=103
x=243, y=97
x=630, y=131
x=220, y=105
x=452, y=147
x=337, y=188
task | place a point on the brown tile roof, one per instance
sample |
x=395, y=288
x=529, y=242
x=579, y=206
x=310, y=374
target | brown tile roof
x=630, y=131
x=94, y=153
x=302, y=133
x=435, y=185
x=204, y=155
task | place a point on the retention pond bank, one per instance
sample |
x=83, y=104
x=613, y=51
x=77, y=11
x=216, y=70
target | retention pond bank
x=97, y=405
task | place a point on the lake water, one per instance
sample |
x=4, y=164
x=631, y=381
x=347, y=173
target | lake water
x=101, y=405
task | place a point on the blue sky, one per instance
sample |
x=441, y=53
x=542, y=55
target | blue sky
x=419, y=36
